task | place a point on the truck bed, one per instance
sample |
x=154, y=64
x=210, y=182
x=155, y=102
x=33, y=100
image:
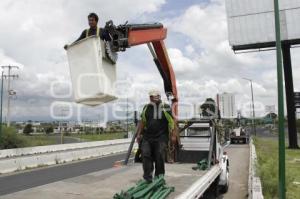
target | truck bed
x=181, y=176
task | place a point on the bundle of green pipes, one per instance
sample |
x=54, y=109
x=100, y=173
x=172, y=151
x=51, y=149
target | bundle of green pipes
x=201, y=165
x=157, y=189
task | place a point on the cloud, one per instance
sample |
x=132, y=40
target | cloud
x=181, y=63
x=218, y=66
x=32, y=36
x=37, y=31
x=6, y=60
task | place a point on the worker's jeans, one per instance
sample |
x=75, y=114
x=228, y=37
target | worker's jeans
x=153, y=152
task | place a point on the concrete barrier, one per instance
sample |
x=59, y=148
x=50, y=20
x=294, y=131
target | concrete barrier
x=254, y=183
x=59, y=147
x=37, y=156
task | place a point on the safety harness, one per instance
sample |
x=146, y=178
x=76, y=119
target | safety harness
x=171, y=149
x=168, y=116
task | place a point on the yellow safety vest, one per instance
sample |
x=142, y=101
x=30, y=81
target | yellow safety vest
x=88, y=30
x=168, y=116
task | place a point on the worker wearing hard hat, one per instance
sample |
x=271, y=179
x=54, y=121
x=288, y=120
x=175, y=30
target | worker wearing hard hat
x=153, y=134
x=93, y=30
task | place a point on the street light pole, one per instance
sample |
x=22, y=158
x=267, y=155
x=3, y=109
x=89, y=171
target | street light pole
x=1, y=102
x=253, y=110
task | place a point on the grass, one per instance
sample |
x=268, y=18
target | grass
x=99, y=137
x=38, y=140
x=9, y=138
x=267, y=154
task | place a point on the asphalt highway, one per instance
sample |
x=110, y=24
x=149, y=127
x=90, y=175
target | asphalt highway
x=36, y=177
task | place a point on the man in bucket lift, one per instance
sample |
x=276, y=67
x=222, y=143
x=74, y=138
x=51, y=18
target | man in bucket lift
x=93, y=30
x=153, y=133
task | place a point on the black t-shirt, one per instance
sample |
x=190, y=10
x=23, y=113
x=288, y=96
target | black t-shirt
x=156, y=127
x=102, y=33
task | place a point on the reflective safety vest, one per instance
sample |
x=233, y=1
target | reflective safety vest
x=168, y=116
x=88, y=30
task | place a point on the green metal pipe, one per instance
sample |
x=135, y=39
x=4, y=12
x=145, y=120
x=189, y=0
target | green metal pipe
x=281, y=137
x=149, y=194
x=157, y=192
x=166, y=192
x=155, y=184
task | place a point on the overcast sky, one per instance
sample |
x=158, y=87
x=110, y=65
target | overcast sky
x=33, y=33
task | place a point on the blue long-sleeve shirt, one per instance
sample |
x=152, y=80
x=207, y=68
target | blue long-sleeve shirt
x=102, y=33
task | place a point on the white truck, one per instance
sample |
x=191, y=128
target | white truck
x=199, y=141
x=239, y=135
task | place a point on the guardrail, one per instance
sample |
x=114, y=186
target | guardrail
x=254, y=183
x=23, y=158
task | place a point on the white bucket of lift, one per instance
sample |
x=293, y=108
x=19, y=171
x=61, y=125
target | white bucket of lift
x=93, y=76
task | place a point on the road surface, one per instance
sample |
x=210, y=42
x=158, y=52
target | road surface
x=238, y=171
x=48, y=181
x=29, y=179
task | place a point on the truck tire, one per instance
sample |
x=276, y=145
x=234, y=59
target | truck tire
x=223, y=189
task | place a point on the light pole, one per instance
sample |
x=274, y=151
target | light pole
x=1, y=102
x=253, y=111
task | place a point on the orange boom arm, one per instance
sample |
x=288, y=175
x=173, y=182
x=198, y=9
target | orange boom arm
x=125, y=36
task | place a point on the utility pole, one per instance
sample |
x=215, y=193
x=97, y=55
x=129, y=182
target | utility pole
x=62, y=114
x=281, y=137
x=253, y=110
x=9, y=91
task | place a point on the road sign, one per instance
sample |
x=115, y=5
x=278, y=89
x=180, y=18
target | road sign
x=297, y=99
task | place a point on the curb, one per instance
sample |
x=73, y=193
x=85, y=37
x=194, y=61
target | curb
x=254, y=183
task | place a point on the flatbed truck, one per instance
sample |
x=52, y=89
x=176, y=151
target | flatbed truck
x=198, y=141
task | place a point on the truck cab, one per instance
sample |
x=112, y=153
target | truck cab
x=239, y=135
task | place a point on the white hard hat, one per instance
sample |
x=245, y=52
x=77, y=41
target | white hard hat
x=154, y=92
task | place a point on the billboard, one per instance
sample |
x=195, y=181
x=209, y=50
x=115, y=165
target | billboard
x=251, y=23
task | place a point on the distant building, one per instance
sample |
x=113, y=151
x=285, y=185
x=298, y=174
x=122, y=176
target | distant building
x=226, y=104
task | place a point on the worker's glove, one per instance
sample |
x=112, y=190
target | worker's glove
x=66, y=46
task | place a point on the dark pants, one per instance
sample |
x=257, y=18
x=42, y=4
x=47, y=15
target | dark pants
x=153, y=152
